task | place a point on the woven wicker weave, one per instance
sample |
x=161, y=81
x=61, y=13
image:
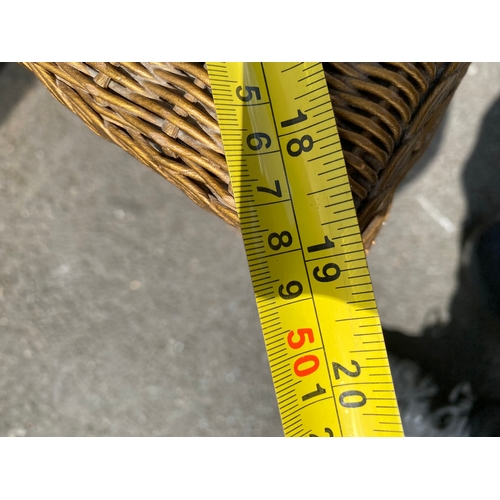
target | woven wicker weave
x=163, y=114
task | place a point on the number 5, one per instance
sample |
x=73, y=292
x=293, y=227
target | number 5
x=302, y=333
x=249, y=96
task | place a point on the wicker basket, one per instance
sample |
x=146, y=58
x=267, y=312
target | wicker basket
x=163, y=114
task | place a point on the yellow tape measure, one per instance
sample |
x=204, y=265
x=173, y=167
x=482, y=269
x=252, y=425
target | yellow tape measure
x=304, y=249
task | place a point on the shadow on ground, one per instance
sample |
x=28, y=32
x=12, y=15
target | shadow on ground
x=13, y=86
x=462, y=355
x=430, y=153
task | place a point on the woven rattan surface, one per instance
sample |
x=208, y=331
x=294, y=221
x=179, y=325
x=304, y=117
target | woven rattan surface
x=163, y=114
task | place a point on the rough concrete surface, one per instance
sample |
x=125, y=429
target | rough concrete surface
x=416, y=255
x=126, y=310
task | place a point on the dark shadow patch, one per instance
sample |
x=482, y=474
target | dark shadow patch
x=467, y=348
x=15, y=82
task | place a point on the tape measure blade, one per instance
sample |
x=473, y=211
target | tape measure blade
x=304, y=250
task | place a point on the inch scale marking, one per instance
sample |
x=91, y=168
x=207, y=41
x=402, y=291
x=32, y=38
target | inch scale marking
x=304, y=249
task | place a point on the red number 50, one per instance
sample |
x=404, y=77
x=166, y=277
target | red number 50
x=296, y=341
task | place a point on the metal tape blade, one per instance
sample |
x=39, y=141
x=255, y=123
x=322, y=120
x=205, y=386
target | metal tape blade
x=304, y=249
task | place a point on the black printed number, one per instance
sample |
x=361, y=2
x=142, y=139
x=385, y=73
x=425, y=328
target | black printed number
x=293, y=121
x=275, y=192
x=322, y=246
x=289, y=295
x=352, y=399
x=339, y=368
x=349, y=399
x=276, y=241
x=318, y=392
x=256, y=141
x=250, y=93
x=326, y=276
x=296, y=146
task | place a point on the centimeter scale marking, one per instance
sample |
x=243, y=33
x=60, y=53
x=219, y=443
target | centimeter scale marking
x=305, y=253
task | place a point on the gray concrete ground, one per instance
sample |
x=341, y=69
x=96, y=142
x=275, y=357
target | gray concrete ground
x=416, y=256
x=126, y=310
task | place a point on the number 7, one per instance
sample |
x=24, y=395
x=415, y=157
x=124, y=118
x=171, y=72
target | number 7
x=276, y=192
